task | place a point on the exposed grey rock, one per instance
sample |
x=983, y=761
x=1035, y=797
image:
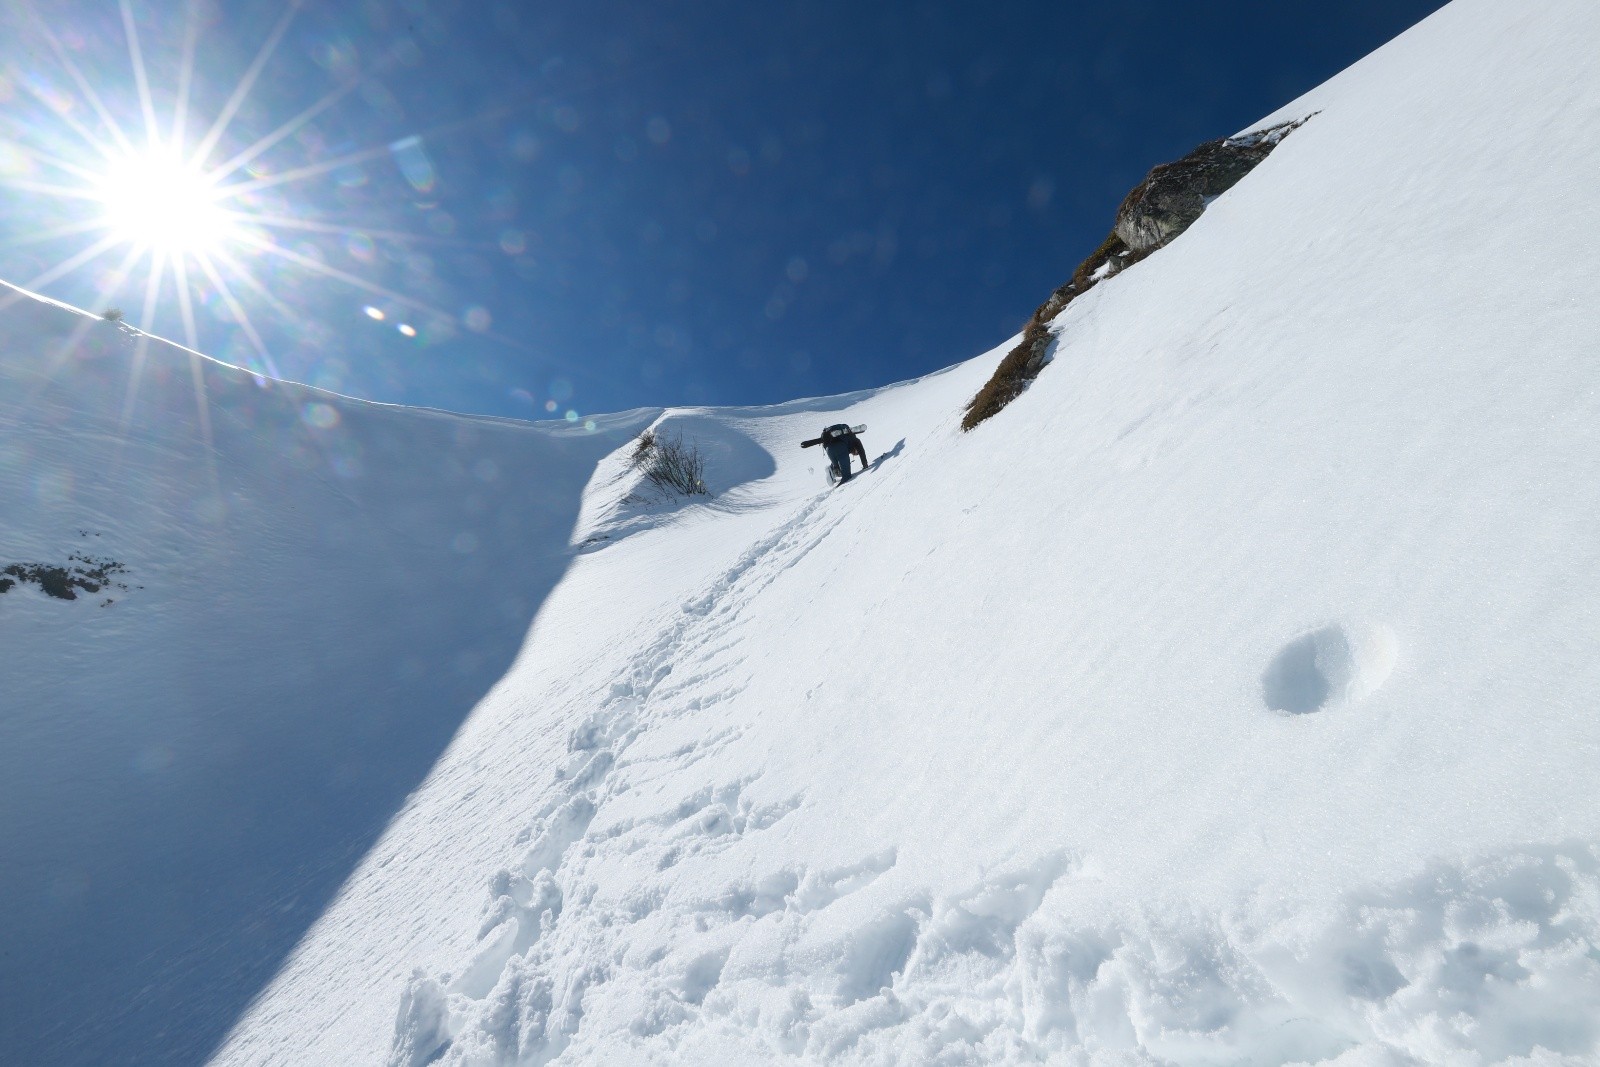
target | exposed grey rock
x=1162, y=206
x=1174, y=194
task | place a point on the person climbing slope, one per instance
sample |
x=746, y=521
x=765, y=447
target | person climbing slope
x=840, y=440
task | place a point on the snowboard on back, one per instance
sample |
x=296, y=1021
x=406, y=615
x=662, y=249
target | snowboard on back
x=833, y=433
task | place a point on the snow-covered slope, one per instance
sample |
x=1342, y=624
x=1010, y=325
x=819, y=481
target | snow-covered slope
x=1228, y=698
x=317, y=592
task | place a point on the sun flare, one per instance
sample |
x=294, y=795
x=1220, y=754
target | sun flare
x=190, y=214
x=160, y=201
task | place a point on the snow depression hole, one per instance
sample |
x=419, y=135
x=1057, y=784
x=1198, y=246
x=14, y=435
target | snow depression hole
x=1334, y=665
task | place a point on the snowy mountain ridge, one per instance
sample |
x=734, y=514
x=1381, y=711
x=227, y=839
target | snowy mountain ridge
x=1227, y=698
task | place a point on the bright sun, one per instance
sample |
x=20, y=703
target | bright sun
x=162, y=202
x=169, y=200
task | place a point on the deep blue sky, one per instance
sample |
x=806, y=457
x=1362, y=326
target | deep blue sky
x=618, y=203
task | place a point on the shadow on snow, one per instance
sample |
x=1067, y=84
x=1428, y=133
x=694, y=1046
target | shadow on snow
x=189, y=776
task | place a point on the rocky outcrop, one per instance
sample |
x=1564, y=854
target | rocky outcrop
x=1174, y=194
x=1158, y=209
x=81, y=573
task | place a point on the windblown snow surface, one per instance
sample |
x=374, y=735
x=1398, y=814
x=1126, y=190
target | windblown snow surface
x=1228, y=698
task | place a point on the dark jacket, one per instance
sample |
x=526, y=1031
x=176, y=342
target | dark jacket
x=841, y=442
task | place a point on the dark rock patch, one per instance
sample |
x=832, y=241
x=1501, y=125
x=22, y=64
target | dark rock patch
x=1158, y=209
x=80, y=574
x=1174, y=194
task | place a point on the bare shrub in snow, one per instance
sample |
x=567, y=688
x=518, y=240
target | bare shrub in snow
x=643, y=445
x=671, y=464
